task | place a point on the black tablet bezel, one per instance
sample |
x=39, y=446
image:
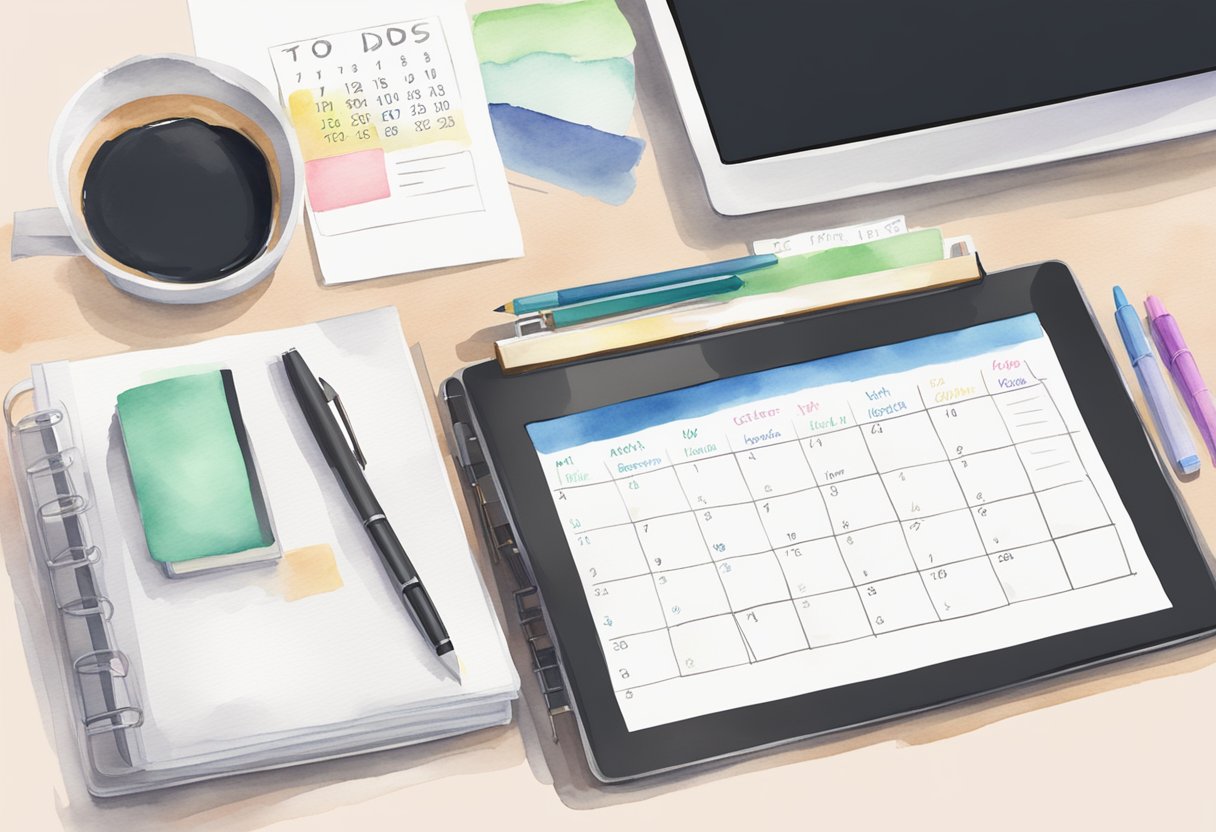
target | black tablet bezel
x=504, y=405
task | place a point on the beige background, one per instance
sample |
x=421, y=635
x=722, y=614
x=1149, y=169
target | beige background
x=1122, y=747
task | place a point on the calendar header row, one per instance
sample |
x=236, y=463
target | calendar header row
x=785, y=402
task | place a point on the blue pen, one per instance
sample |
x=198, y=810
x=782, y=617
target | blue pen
x=1171, y=426
x=596, y=291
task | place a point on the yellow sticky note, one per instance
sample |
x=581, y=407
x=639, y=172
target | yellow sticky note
x=312, y=570
x=328, y=127
x=442, y=127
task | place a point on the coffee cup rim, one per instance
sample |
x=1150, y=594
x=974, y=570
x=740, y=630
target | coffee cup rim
x=253, y=272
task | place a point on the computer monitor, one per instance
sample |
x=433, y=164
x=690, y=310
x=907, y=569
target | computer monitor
x=790, y=102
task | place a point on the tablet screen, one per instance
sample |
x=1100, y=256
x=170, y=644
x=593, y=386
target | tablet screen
x=825, y=523
x=780, y=76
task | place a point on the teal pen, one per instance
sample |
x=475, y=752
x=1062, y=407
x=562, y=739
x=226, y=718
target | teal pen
x=596, y=291
x=1171, y=425
x=578, y=313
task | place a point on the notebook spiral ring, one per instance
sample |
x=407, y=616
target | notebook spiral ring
x=58, y=508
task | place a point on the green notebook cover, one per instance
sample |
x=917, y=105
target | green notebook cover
x=192, y=468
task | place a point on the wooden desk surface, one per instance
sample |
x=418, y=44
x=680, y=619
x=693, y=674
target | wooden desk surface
x=1123, y=747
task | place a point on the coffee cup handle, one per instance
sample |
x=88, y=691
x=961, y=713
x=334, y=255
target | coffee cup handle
x=41, y=231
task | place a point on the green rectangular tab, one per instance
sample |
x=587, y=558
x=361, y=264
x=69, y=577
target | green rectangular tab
x=910, y=249
x=192, y=468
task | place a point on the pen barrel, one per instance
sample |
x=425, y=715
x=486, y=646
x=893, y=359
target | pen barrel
x=1171, y=425
x=413, y=594
x=596, y=291
x=329, y=436
x=358, y=489
x=391, y=551
x=647, y=299
x=1186, y=373
x=1194, y=392
x=1168, y=338
x=418, y=602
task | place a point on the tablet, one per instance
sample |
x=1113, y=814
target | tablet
x=788, y=103
x=796, y=528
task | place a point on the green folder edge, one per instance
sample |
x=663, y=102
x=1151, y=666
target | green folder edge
x=910, y=249
x=163, y=509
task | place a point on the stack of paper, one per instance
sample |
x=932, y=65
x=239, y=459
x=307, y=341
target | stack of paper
x=315, y=655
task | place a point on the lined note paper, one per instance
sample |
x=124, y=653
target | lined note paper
x=844, y=519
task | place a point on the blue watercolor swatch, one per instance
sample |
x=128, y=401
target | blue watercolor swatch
x=574, y=156
x=597, y=93
x=634, y=415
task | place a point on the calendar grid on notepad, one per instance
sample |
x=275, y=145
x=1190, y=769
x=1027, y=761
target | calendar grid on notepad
x=891, y=522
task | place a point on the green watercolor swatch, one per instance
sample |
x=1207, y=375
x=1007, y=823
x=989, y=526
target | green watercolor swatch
x=586, y=30
x=597, y=93
x=909, y=249
x=193, y=482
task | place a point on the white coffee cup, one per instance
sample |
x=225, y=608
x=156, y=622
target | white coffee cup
x=140, y=91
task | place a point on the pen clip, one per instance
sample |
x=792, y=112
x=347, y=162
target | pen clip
x=332, y=397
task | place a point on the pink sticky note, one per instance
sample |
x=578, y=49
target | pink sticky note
x=350, y=179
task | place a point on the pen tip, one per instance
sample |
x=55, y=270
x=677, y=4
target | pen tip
x=451, y=663
x=1154, y=306
x=1120, y=298
x=502, y=308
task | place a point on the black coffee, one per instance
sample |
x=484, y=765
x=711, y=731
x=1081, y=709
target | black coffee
x=180, y=200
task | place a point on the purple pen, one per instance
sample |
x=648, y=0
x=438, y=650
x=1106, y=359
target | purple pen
x=1172, y=429
x=1177, y=356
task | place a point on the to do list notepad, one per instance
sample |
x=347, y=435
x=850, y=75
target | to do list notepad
x=401, y=167
x=844, y=519
x=381, y=125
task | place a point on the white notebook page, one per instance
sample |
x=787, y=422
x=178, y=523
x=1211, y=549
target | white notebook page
x=765, y=536
x=224, y=662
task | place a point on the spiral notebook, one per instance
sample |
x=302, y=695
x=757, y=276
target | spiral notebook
x=174, y=681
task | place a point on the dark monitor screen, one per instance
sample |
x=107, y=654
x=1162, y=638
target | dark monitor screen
x=780, y=76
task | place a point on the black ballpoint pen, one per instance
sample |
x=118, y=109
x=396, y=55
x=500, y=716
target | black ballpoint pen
x=347, y=461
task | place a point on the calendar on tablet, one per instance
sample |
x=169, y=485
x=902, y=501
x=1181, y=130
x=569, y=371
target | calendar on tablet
x=824, y=523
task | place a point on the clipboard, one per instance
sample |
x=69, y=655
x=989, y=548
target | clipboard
x=489, y=411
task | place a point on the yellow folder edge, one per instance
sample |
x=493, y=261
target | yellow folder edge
x=548, y=348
